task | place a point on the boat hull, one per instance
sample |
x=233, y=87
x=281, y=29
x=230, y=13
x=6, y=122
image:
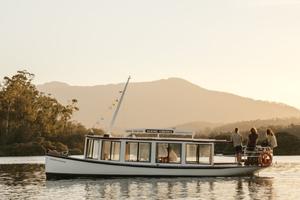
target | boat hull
x=63, y=167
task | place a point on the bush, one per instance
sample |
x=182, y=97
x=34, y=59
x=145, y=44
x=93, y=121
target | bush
x=22, y=149
x=75, y=151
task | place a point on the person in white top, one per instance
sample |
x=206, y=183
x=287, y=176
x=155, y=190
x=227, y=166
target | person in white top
x=272, y=141
x=237, y=139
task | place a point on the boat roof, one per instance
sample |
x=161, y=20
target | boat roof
x=137, y=138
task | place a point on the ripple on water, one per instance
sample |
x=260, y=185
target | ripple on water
x=29, y=182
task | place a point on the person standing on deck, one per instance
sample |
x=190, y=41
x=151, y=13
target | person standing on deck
x=252, y=139
x=237, y=139
x=271, y=138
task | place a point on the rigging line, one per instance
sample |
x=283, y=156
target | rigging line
x=118, y=106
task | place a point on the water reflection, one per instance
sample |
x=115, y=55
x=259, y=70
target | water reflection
x=14, y=175
x=28, y=181
x=168, y=188
x=260, y=186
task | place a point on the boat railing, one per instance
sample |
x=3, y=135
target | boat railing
x=261, y=156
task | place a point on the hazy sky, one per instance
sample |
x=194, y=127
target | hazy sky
x=247, y=47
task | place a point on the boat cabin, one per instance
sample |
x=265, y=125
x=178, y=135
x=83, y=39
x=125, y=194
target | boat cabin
x=151, y=147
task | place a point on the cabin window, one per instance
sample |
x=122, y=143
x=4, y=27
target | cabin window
x=95, y=149
x=168, y=153
x=110, y=150
x=115, y=151
x=144, y=152
x=198, y=153
x=192, y=153
x=205, y=153
x=89, y=148
x=138, y=151
x=105, y=153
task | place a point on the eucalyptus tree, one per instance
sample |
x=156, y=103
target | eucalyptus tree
x=26, y=113
x=17, y=96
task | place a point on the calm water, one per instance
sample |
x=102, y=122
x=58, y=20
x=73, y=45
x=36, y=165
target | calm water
x=27, y=181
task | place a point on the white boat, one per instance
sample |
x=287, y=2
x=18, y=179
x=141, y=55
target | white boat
x=145, y=156
x=150, y=152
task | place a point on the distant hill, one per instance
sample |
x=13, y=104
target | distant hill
x=163, y=103
x=247, y=125
x=198, y=126
x=206, y=128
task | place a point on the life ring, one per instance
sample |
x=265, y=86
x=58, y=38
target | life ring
x=265, y=159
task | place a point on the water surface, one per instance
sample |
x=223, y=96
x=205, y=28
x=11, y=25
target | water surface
x=27, y=181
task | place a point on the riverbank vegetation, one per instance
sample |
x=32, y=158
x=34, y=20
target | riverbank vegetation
x=32, y=122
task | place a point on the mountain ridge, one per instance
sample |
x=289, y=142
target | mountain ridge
x=163, y=103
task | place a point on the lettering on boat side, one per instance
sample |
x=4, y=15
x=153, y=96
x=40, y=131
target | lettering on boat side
x=158, y=131
x=58, y=160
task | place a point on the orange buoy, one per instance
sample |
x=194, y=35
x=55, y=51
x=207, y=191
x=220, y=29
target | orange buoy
x=265, y=159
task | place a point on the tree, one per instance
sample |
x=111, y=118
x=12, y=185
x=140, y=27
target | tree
x=27, y=113
x=16, y=95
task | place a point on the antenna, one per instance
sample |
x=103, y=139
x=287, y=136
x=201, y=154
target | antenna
x=118, y=106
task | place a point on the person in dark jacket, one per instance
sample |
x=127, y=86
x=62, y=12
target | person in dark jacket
x=252, y=139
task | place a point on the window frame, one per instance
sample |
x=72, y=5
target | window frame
x=89, y=148
x=209, y=157
x=198, y=160
x=95, y=152
x=110, y=150
x=138, y=151
x=197, y=154
x=168, y=150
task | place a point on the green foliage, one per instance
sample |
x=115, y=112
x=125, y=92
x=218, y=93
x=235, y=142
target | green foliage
x=22, y=149
x=32, y=122
x=288, y=144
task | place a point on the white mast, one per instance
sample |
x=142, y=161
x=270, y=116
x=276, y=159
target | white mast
x=118, y=106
